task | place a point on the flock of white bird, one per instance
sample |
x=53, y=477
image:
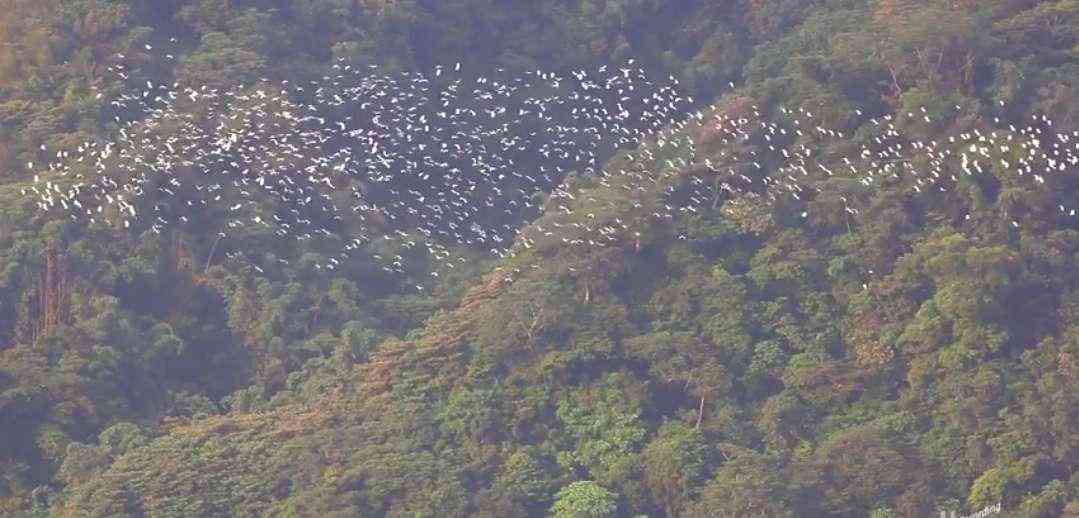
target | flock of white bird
x=440, y=162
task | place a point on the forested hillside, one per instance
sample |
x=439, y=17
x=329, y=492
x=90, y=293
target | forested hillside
x=865, y=351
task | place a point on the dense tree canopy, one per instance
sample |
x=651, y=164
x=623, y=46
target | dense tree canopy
x=740, y=362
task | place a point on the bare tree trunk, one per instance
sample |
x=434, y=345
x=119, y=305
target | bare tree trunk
x=52, y=291
x=895, y=81
x=211, y=256
x=315, y=314
x=700, y=413
x=534, y=328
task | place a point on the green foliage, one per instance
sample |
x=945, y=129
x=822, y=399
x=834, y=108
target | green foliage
x=525, y=478
x=675, y=465
x=885, y=364
x=604, y=429
x=584, y=499
x=748, y=484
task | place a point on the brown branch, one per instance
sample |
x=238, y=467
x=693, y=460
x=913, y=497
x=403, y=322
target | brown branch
x=895, y=81
x=211, y=256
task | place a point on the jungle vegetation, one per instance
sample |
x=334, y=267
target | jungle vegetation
x=744, y=371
